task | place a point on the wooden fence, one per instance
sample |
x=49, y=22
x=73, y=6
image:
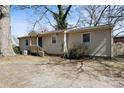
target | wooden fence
x=118, y=49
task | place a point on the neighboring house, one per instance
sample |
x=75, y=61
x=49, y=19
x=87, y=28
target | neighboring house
x=119, y=39
x=98, y=39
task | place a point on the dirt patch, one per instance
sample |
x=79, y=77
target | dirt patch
x=21, y=58
x=33, y=71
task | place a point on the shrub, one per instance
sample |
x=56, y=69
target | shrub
x=0, y=52
x=77, y=52
x=17, y=50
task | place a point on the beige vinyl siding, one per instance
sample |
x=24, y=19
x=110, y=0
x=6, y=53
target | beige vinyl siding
x=73, y=39
x=56, y=48
x=100, y=41
x=22, y=44
x=100, y=44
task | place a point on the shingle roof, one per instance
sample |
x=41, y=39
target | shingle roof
x=70, y=30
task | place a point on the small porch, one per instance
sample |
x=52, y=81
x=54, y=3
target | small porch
x=35, y=45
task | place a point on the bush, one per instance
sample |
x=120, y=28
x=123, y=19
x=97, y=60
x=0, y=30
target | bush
x=17, y=50
x=0, y=52
x=77, y=52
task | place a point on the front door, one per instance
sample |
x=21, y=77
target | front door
x=40, y=41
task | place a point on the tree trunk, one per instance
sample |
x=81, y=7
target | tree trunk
x=5, y=34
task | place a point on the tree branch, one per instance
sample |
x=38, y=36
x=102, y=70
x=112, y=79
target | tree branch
x=66, y=13
x=51, y=11
x=50, y=22
x=77, y=21
x=101, y=15
x=39, y=19
x=119, y=33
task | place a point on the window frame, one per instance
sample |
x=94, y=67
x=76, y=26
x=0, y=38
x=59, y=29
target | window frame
x=52, y=39
x=82, y=37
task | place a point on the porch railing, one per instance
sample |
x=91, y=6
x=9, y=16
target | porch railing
x=35, y=49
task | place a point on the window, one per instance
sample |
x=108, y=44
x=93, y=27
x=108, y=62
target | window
x=53, y=39
x=86, y=38
x=26, y=43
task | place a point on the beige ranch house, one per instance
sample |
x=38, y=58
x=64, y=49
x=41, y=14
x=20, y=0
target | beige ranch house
x=98, y=39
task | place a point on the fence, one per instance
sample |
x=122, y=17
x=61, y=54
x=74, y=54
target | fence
x=118, y=49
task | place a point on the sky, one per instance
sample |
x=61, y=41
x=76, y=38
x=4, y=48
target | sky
x=21, y=21
x=19, y=26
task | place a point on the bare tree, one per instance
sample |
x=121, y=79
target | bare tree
x=5, y=33
x=93, y=14
x=104, y=15
x=59, y=16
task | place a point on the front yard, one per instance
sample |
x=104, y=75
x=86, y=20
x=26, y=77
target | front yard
x=32, y=71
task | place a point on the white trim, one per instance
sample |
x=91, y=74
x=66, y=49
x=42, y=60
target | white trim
x=51, y=39
x=65, y=42
x=111, y=46
x=82, y=37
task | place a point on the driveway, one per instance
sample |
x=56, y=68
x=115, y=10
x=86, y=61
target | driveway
x=52, y=72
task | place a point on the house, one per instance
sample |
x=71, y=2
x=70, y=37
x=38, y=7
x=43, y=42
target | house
x=98, y=39
x=119, y=39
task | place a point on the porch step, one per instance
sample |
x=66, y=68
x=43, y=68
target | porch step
x=41, y=53
x=35, y=49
